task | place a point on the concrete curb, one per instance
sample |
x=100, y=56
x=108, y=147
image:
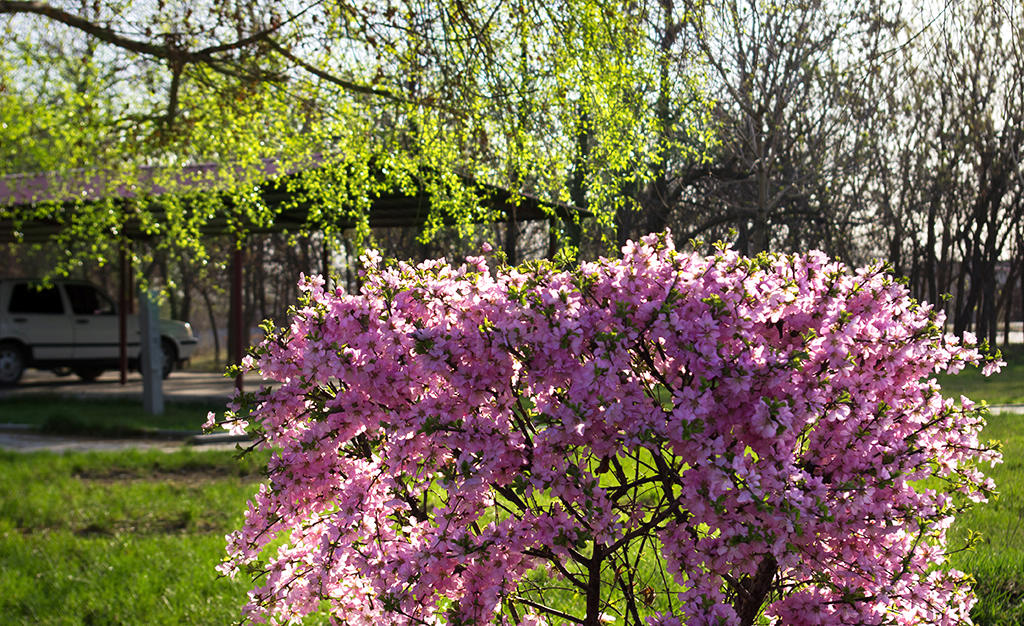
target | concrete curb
x=142, y=433
x=17, y=428
x=95, y=396
x=1006, y=408
x=217, y=438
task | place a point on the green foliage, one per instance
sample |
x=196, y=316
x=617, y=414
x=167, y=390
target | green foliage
x=351, y=100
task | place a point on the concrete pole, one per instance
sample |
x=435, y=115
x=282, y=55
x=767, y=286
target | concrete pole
x=122, y=314
x=511, y=238
x=152, y=354
x=238, y=336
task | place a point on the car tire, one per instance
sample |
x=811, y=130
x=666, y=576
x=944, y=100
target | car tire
x=87, y=373
x=12, y=363
x=168, y=358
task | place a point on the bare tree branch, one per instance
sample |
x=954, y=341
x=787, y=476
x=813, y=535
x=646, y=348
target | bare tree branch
x=91, y=28
x=341, y=82
x=179, y=56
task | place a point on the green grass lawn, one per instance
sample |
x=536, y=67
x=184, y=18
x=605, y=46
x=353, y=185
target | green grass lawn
x=121, y=538
x=997, y=563
x=1005, y=387
x=101, y=417
x=133, y=537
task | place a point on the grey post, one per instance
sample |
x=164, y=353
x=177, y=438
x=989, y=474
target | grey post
x=152, y=372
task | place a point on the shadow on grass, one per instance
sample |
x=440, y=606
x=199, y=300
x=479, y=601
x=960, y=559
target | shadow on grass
x=104, y=418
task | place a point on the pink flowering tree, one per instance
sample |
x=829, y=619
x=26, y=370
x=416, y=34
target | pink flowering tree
x=664, y=438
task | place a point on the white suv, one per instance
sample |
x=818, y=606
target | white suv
x=74, y=326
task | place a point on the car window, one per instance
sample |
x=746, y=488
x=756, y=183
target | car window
x=87, y=300
x=26, y=298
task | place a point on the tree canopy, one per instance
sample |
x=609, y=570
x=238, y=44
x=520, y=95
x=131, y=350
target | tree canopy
x=865, y=129
x=572, y=100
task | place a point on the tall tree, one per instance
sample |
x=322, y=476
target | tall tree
x=796, y=85
x=955, y=161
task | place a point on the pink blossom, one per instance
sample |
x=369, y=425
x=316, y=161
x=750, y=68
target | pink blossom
x=454, y=444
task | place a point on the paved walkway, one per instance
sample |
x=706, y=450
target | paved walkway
x=31, y=442
x=1006, y=408
x=185, y=386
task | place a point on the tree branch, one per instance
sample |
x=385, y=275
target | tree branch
x=331, y=78
x=178, y=56
x=90, y=28
x=109, y=35
x=547, y=609
x=172, y=104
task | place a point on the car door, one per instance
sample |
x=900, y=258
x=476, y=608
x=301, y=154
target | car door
x=95, y=324
x=38, y=317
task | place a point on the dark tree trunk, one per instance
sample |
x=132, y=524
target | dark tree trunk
x=931, y=271
x=578, y=179
x=213, y=326
x=593, y=617
x=512, y=240
x=753, y=590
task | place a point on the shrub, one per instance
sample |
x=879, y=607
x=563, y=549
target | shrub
x=663, y=437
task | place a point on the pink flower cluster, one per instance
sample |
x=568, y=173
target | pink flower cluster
x=453, y=441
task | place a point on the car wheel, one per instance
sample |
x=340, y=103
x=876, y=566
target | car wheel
x=12, y=363
x=168, y=358
x=88, y=373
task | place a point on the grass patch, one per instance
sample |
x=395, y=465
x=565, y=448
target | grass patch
x=997, y=563
x=121, y=538
x=113, y=418
x=204, y=361
x=1003, y=387
x=133, y=537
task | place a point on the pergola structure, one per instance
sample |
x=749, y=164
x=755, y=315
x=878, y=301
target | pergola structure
x=26, y=191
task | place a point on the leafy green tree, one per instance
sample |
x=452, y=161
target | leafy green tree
x=575, y=100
